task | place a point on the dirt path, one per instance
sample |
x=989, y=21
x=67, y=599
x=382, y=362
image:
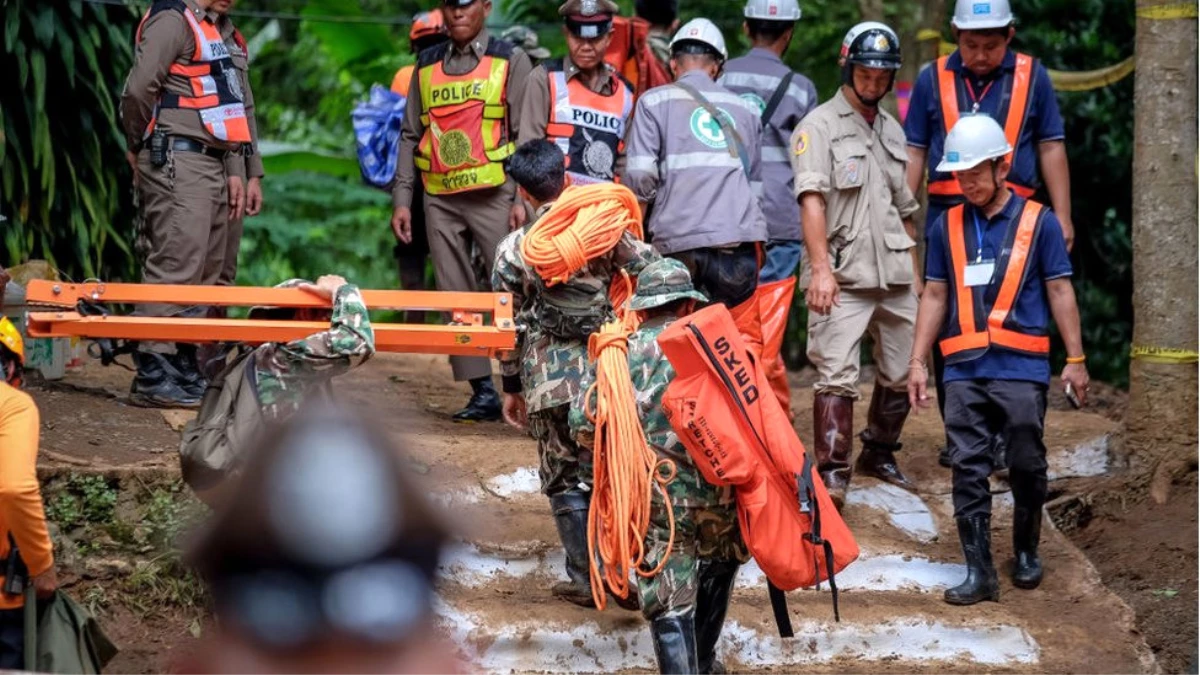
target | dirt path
x=497, y=605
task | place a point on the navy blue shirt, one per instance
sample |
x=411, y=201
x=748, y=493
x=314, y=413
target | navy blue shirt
x=925, y=127
x=1048, y=260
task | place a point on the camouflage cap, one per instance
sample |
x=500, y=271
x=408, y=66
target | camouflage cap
x=527, y=39
x=662, y=282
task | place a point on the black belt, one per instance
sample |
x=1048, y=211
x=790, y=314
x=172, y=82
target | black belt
x=188, y=145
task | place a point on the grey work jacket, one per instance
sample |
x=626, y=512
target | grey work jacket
x=678, y=160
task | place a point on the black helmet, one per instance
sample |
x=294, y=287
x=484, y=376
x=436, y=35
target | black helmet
x=872, y=45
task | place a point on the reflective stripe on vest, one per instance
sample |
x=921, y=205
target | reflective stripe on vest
x=216, y=86
x=974, y=335
x=588, y=127
x=1017, y=92
x=465, y=140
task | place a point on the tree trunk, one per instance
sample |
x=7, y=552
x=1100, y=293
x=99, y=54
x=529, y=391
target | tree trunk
x=1161, y=423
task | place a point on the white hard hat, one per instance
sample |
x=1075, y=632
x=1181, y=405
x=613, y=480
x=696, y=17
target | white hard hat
x=702, y=31
x=973, y=140
x=981, y=14
x=773, y=10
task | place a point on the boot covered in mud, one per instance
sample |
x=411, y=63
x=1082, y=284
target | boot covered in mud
x=833, y=424
x=981, y=584
x=717, y=578
x=675, y=644
x=881, y=438
x=571, y=519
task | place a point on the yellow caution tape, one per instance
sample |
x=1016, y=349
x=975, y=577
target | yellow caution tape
x=1164, y=355
x=1177, y=10
x=1063, y=80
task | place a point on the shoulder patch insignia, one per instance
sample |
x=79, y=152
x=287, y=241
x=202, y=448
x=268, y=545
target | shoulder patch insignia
x=802, y=143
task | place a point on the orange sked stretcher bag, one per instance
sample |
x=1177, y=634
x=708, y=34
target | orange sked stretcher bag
x=722, y=407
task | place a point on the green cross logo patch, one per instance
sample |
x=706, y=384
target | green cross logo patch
x=755, y=100
x=707, y=130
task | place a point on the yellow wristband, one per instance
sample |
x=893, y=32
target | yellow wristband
x=1075, y=360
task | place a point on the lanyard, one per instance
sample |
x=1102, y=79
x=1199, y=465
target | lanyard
x=976, y=100
x=978, y=237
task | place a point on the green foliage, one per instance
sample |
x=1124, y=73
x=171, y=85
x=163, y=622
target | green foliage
x=85, y=499
x=64, y=186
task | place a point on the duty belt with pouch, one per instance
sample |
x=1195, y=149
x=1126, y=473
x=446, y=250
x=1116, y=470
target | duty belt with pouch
x=16, y=575
x=180, y=144
x=576, y=309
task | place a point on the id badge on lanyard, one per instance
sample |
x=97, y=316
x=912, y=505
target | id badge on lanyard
x=980, y=272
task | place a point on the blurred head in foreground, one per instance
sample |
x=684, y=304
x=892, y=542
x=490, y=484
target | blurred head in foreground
x=324, y=558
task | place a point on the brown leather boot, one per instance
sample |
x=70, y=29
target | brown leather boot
x=833, y=424
x=880, y=439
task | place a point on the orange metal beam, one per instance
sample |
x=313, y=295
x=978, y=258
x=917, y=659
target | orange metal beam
x=467, y=340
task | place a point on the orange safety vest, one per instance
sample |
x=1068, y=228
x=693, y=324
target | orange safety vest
x=216, y=87
x=1017, y=95
x=588, y=127
x=978, y=327
x=466, y=136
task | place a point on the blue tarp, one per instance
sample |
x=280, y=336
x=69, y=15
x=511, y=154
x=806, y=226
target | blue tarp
x=377, y=123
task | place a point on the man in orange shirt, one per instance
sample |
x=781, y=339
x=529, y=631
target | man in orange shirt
x=22, y=519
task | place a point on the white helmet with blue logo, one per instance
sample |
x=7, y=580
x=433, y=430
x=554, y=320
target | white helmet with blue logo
x=982, y=14
x=973, y=140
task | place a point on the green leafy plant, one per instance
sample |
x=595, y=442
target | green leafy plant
x=84, y=499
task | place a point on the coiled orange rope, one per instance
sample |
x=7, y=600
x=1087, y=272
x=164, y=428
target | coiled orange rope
x=585, y=223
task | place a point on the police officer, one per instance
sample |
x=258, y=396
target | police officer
x=458, y=130
x=699, y=173
x=245, y=168
x=859, y=273
x=984, y=75
x=579, y=101
x=542, y=376
x=783, y=98
x=686, y=601
x=183, y=113
x=996, y=271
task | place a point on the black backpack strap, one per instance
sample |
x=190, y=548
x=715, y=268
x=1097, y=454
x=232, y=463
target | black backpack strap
x=779, y=606
x=777, y=97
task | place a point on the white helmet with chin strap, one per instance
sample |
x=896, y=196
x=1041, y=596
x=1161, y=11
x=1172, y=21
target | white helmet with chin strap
x=773, y=10
x=703, y=34
x=973, y=140
x=982, y=14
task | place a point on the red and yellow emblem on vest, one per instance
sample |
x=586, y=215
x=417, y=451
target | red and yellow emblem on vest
x=802, y=143
x=466, y=139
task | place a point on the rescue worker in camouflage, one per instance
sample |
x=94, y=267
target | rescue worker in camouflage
x=271, y=382
x=686, y=602
x=541, y=377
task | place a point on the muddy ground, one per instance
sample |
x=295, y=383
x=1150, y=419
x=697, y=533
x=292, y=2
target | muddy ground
x=1146, y=553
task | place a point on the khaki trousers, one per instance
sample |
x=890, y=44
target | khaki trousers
x=834, y=340
x=185, y=216
x=457, y=225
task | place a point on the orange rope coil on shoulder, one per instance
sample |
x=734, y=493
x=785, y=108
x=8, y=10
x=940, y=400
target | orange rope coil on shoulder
x=585, y=223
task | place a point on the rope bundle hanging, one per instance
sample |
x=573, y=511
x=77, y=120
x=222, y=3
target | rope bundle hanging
x=585, y=223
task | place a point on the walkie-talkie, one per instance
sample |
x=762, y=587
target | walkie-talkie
x=16, y=575
x=158, y=147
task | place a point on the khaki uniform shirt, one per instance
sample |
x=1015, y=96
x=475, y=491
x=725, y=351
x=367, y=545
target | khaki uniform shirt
x=166, y=39
x=535, y=111
x=459, y=60
x=247, y=165
x=860, y=171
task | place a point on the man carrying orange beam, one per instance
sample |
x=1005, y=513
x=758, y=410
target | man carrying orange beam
x=272, y=381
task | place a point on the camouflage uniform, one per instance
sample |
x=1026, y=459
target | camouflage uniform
x=660, y=45
x=705, y=516
x=287, y=372
x=550, y=367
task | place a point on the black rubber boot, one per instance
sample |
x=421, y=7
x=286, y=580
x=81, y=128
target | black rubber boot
x=484, y=405
x=981, y=583
x=675, y=644
x=191, y=381
x=156, y=384
x=712, y=602
x=571, y=516
x=1027, y=532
